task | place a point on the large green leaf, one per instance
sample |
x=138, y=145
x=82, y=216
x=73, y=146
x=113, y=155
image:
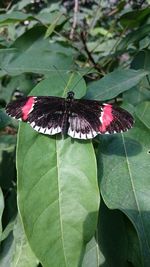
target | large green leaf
x=32, y=53
x=114, y=83
x=125, y=183
x=57, y=190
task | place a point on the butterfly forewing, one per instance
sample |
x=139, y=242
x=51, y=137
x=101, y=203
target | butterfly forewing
x=44, y=114
x=114, y=119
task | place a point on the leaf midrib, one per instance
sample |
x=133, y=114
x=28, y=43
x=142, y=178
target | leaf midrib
x=59, y=201
x=133, y=189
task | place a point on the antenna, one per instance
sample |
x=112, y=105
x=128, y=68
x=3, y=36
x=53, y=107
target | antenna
x=60, y=75
x=81, y=78
x=76, y=82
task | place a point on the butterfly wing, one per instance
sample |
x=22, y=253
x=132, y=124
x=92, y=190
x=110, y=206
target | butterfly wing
x=43, y=113
x=114, y=119
x=84, y=119
x=89, y=118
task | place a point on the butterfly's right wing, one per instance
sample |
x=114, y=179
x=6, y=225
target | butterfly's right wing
x=89, y=118
x=43, y=113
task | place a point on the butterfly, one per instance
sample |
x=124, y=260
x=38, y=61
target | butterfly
x=79, y=118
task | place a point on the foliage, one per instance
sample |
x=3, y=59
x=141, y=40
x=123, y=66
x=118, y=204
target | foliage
x=81, y=203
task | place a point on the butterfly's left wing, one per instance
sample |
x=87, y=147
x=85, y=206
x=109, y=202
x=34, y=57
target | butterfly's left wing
x=89, y=118
x=43, y=113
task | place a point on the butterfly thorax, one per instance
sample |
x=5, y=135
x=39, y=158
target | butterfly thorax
x=70, y=95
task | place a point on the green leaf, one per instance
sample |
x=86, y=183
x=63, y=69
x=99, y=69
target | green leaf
x=23, y=83
x=8, y=229
x=125, y=185
x=134, y=253
x=14, y=16
x=32, y=53
x=114, y=83
x=134, y=18
x=57, y=186
x=141, y=61
x=51, y=18
x=59, y=83
x=53, y=25
x=111, y=236
x=134, y=37
x=7, y=164
x=4, y=120
x=6, y=252
x=92, y=257
x=105, y=47
x=111, y=224
x=22, y=255
x=143, y=112
x=1, y=210
x=102, y=31
x=141, y=91
x=16, y=251
x=17, y=16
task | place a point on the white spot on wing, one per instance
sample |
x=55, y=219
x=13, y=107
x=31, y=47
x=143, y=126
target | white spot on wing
x=32, y=124
x=101, y=117
x=80, y=135
x=48, y=131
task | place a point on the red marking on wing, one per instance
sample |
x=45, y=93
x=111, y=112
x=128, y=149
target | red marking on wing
x=106, y=117
x=26, y=109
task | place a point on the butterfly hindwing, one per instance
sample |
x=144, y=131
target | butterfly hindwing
x=84, y=119
x=80, y=128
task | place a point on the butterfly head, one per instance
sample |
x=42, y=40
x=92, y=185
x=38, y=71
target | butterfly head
x=70, y=95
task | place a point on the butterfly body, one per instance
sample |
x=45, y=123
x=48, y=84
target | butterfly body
x=79, y=118
x=67, y=112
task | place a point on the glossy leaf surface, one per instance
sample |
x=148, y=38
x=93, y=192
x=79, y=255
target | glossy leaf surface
x=114, y=83
x=125, y=183
x=57, y=190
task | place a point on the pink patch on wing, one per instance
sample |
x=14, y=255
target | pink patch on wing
x=106, y=117
x=27, y=108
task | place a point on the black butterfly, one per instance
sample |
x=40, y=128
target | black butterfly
x=79, y=118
